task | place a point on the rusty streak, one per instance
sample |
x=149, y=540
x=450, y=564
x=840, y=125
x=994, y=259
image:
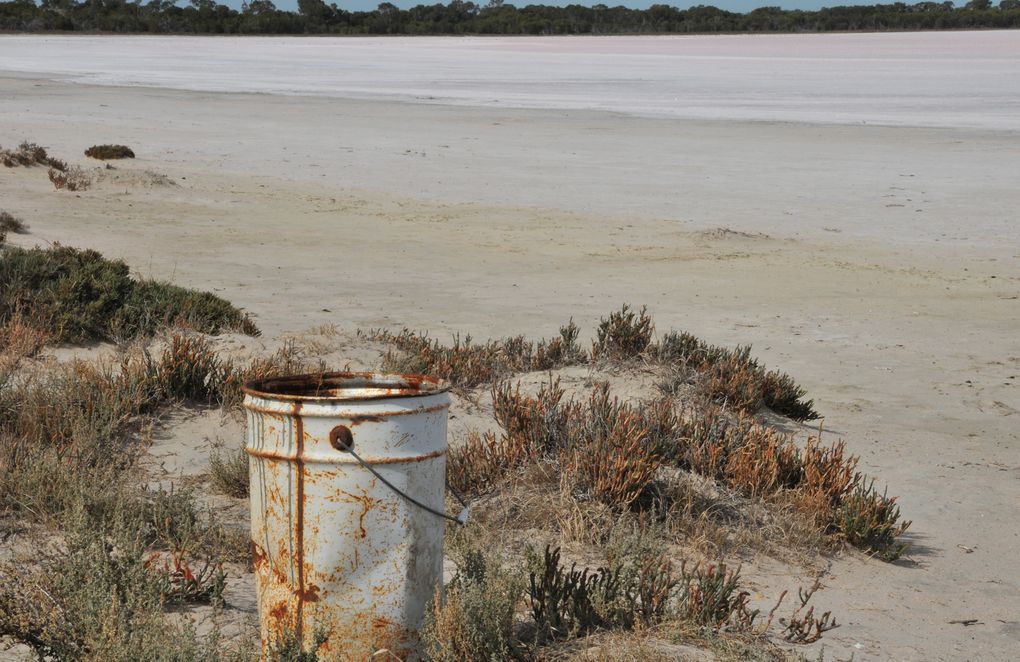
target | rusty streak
x=299, y=520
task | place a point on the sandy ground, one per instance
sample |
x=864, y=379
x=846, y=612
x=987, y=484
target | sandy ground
x=879, y=266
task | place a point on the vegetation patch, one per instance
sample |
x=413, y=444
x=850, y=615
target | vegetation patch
x=71, y=178
x=467, y=363
x=728, y=376
x=78, y=295
x=11, y=223
x=622, y=456
x=29, y=154
x=109, y=152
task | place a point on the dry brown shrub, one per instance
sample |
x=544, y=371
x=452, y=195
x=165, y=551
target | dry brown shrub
x=71, y=179
x=829, y=475
x=765, y=462
x=731, y=381
x=20, y=338
x=27, y=155
x=625, y=334
x=612, y=460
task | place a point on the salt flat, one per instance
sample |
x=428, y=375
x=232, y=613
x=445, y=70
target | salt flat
x=378, y=182
x=958, y=79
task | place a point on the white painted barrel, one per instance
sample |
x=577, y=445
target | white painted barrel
x=337, y=553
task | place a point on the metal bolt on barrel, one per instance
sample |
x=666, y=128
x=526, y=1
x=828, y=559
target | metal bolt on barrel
x=347, y=479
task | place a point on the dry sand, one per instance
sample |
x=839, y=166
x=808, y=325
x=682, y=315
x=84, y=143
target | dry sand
x=879, y=266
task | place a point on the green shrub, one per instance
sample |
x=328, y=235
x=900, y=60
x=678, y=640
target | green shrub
x=108, y=152
x=152, y=305
x=79, y=295
x=871, y=521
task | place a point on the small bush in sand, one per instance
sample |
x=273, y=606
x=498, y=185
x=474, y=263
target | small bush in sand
x=871, y=521
x=79, y=295
x=230, y=472
x=189, y=370
x=625, y=334
x=29, y=154
x=608, y=456
x=11, y=223
x=476, y=620
x=730, y=376
x=109, y=152
x=601, y=446
x=72, y=178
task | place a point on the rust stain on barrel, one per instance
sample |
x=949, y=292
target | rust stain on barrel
x=299, y=517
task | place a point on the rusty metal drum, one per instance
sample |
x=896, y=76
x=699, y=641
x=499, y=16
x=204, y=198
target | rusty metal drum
x=347, y=474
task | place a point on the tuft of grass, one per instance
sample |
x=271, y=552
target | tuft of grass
x=625, y=334
x=71, y=178
x=109, y=152
x=78, y=295
x=20, y=337
x=11, y=223
x=230, y=473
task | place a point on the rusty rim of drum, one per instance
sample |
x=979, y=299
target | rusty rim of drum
x=345, y=387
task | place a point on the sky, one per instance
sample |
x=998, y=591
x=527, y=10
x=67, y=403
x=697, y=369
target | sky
x=729, y=5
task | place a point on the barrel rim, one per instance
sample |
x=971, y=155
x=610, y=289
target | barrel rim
x=308, y=387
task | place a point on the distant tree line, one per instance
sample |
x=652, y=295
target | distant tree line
x=458, y=17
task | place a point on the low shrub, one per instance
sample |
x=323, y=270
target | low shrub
x=871, y=521
x=625, y=334
x=109, y=152
x=11, y=223
x=730, y=376
x=153, y=305
x=475, y=623
x=71, y=178
x=30, y=154
x=78, y=295
x=94, y=598
x=608, y=456
x=467, y=364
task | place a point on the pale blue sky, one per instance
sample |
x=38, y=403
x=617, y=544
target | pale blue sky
x=730, y=5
